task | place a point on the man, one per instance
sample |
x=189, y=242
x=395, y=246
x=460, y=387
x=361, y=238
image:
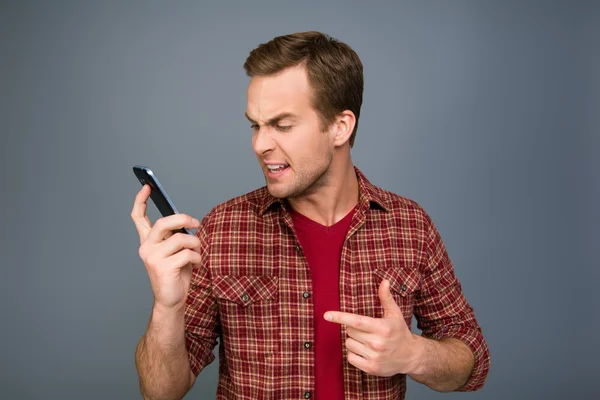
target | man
x=310, y=282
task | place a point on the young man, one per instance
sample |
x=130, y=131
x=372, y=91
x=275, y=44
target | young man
x=310, y=282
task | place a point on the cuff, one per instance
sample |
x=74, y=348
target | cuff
x=199, y=356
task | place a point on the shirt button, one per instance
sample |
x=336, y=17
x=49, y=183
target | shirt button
x=307, y=395
x=307, y=345
x=298, y=249
x=245, y=297
x=306, y=295
x=403, y=288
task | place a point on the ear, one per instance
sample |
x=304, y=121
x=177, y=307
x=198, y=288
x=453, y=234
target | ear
x=342, y=127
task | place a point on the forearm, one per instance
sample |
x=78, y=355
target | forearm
x=161, y=357
x=443, y=365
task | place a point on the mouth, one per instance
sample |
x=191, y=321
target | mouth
x=276, y=170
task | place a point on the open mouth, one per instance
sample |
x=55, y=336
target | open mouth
x=275, y=168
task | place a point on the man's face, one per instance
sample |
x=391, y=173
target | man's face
x=293, y=152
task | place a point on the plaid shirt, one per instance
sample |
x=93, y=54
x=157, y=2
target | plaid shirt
x=253, y=288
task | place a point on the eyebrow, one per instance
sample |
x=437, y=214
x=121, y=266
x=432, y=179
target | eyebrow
x=275, y=119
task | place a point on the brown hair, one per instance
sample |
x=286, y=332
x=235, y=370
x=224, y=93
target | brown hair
x=335, y=72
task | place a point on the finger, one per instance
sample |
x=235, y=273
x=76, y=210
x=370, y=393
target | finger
x=390, y=308
x=164, y=226
x=177, y=242
x=359, y=362
x=360, y=322
x=358, y=348
x=138, y=213
x=183, y=258
x=358, y=335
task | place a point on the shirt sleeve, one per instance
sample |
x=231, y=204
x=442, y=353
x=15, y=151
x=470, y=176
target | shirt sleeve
x=442, y=310
x=201, y=315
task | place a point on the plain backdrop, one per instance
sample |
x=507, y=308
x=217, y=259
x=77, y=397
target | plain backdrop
x=484, y=112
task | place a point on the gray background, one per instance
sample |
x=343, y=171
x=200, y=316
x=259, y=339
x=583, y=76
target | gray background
x=486, y=113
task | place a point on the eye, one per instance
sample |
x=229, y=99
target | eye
x=284, y=128
x=254, y=127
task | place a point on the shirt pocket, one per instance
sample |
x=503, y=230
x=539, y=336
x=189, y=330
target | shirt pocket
x=249, y=315
x=404, y=284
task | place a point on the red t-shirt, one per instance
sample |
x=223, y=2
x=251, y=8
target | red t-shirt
x=322, y=247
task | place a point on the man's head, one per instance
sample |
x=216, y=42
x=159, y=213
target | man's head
x=304, y=101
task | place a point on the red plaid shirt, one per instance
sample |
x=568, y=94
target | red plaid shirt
x=253, y=292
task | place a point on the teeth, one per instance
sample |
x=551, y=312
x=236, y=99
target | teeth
x=272, y=167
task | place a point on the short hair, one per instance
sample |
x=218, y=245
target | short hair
x=335, y=72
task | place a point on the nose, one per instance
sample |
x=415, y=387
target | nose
x=262, y=141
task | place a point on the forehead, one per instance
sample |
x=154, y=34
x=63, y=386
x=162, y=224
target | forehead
x=287, y=91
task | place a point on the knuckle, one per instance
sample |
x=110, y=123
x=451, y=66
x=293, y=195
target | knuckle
x=190, y=241
x=192, y=256
x=386, y=331
x=178, y=237
x=190, y=238
x=376, y=358
x=154, y=260
x=187, y=254
x=376, y=345
x=150, y=260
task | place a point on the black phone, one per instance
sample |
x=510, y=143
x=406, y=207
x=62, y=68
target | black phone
x=158, y=194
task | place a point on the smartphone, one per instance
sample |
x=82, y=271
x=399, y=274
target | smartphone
x=158, y=194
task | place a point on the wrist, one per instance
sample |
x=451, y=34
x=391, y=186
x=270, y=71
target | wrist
x=167, y=318
x=418, y=358
x=162, y=311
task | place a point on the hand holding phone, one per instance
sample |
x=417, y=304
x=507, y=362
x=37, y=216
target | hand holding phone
x=167, y=249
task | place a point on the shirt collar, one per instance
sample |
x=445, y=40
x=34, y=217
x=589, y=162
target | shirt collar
x=369, y=195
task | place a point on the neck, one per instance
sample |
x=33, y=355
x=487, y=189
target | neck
x=335, y=196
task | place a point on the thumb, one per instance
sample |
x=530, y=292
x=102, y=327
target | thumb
x=388, y=303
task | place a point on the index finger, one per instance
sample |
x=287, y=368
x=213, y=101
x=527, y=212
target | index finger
x=166, y=225
x=138, y=213
x=359, y=322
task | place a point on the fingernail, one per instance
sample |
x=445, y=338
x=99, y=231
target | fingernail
x=328, y=316
x=195, y=221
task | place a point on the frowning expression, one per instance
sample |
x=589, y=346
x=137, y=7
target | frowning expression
x=293, y=150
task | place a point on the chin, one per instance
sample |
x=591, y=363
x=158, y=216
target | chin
x=279, y=190
x=289, y=189
x=279, y=193
x=286, y=192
